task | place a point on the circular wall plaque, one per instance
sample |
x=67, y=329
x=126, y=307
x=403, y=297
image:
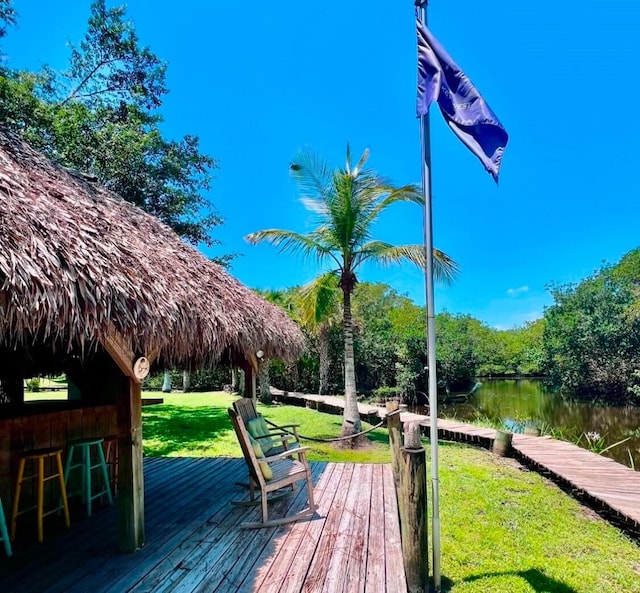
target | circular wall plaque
x=141, y=368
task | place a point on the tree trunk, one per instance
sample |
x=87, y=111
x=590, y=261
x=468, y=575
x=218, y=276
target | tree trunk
x=351, y=419
x=186, y=380
x=235, y=380
x=323, y=351
x=265, y=393
x=242, y=384
x=166, y=384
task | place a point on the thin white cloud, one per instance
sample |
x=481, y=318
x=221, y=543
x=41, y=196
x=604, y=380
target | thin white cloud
x=517, y=291
x=519, y=320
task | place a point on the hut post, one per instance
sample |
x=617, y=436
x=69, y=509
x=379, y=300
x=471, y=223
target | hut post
x=130, y=471
x=130, y=474
x=250, y=367
x=412, y=501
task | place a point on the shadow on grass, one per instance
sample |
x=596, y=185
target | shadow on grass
x=536, y=579
x=177, y=428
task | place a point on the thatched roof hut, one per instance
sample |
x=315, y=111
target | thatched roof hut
x=78, y=261
x=92, y=284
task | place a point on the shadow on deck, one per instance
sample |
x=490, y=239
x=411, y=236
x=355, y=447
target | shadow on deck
x=195, y=544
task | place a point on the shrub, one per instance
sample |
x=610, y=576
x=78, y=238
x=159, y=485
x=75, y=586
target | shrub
x=33, y=385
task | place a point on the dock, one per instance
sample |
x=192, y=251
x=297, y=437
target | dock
x=607, y=486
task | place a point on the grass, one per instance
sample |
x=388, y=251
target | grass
x=504, y=529
x=197, y=425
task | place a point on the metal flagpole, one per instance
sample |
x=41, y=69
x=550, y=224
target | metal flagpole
x=425, y=136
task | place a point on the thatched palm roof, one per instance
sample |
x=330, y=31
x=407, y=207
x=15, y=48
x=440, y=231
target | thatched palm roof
x=77, y=260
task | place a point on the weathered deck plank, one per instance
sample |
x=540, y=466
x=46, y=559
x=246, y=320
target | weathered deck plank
x=294, y=577
x=277, y=569
x=317, y=573
x=394, y=563
x=375, y=578
x=195, y=544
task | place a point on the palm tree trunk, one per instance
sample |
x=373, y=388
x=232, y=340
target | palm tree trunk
x=235, y=380
x=186, y=380
x=351, y=419
x=265, y=393
x=166, y=383
x=323, y=352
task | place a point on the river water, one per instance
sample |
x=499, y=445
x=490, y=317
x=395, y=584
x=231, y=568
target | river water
x=518, y=402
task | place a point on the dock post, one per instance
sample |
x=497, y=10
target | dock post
x=412, y=501
x=502, y=443
x=395, y=439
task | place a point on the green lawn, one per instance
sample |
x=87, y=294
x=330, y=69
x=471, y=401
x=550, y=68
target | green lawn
x=197, y=425
x=504, y=529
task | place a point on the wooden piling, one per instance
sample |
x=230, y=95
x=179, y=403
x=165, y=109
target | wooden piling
x=412, y=501
x=502, y=443
x=395, y=439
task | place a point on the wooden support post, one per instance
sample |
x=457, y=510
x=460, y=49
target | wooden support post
x=502, y=443
x=130, y=477
x=412, y=501
x=395, y=439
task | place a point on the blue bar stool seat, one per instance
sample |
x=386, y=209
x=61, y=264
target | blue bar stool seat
x=86, y=463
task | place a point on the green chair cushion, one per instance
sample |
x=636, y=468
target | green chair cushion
x=264, y=466
x=257, y=427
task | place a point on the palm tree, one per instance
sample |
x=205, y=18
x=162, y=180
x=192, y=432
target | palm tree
x=319, y=309
x=347, y=203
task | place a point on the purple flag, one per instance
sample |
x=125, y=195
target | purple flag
x=466, y=112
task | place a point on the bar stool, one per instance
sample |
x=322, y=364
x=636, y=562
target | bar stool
x=38, y=456
x=87, y=464
x=111, y=458
x=4, y=536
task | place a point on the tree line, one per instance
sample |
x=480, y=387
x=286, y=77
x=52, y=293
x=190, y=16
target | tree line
x=586, y=344
x=389, y=342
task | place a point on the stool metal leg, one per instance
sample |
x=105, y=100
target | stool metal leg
x=16, y=499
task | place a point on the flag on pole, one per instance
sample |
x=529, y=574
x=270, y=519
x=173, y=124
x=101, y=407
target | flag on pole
x=465, y=111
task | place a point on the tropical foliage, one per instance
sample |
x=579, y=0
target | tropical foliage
x=101, y=117
x=347, y=203
x=592, y=333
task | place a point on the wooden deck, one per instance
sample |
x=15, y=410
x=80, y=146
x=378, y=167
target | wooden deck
x=604, y=484
x=194, y=542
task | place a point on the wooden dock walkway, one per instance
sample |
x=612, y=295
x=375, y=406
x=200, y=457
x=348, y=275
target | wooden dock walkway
x=601, y=482
x=195, y=545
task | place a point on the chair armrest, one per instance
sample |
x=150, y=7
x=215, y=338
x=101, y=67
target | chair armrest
x=282, y=425
x=285, y=454
x=276, y=437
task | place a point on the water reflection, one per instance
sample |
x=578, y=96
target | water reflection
x=516, y=402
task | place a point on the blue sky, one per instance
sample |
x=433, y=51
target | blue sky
x=258, y=82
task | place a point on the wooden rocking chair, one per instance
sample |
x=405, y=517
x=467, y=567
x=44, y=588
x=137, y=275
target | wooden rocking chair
x=285, y=471
x=285, y=433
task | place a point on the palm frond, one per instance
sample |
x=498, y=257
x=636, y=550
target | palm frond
x=444, y=268
x=361, y=163
x=318, y=301
x=291, y=241
x=312, y=175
